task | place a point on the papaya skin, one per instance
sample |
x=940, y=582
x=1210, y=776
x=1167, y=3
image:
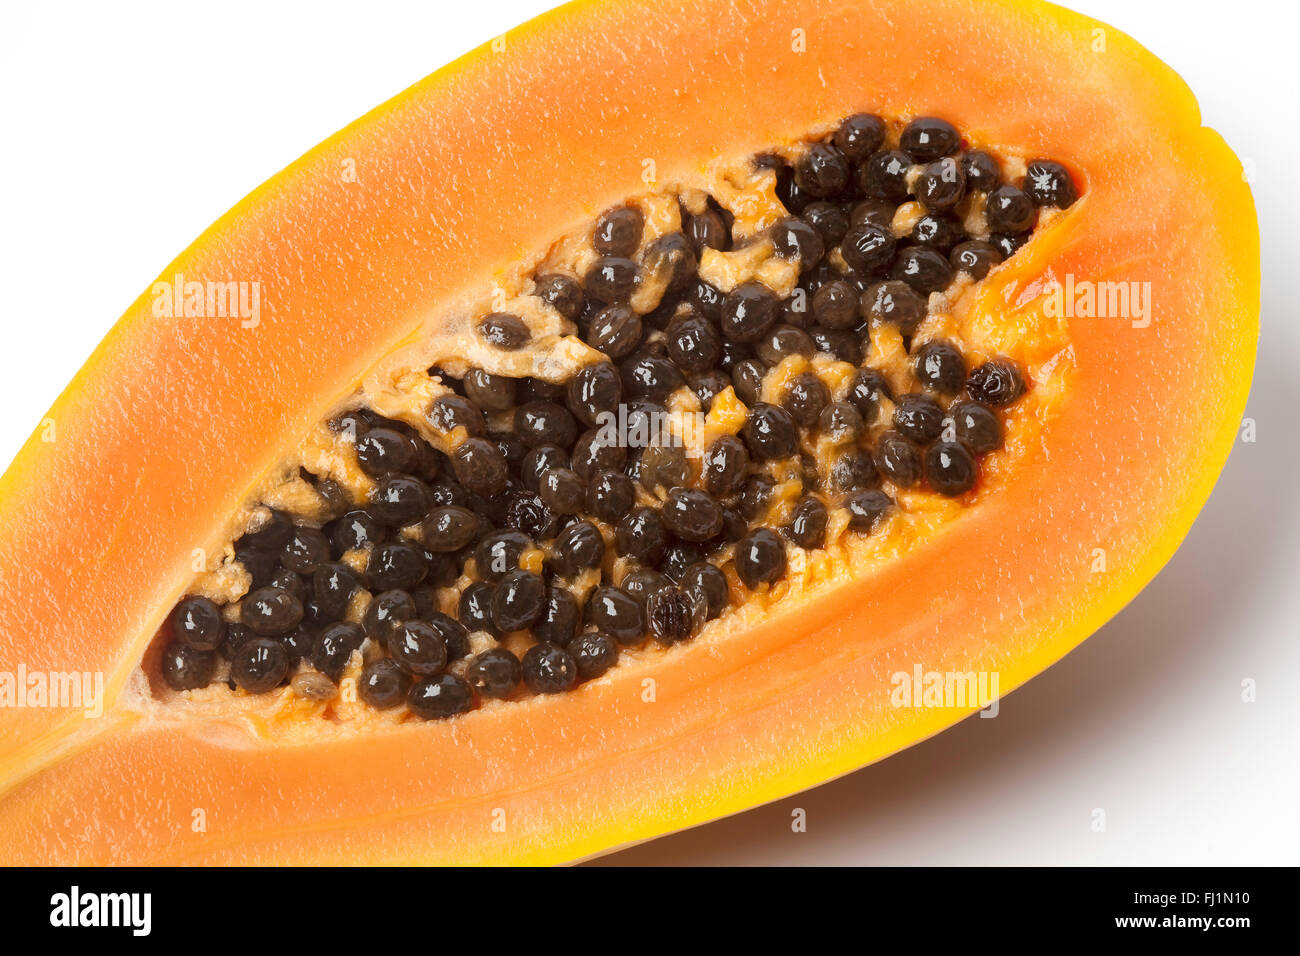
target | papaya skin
x=160, y=436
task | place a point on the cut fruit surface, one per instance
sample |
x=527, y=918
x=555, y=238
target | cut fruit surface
x=918, y=346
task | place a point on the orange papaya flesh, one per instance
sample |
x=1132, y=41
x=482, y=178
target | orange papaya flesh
x=790, y=689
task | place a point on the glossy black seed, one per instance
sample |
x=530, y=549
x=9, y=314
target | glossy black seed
x=866, y=390
x=755, y=496
x=706, y=299
x=937, y=232
x=836, y=305
x=610, y=496
x=616, y=331
x=1049, y=183
x=593, y=654
x=351, y=424
x=860, y=135
x=578, y=547
x=981, y=169
x=562, y=491
x=733, y=353
x=426, y=599
x=504, y=331
x=297, y=644
x=333, y=585
x=480, y=467
x=747, y=380
x=559, y=618
x=734, y=525
x=640, y=583
x=950, y=468
x=995, y=383
x=939, y=365
x=305, y=550
x=723, y=466
x=495, y=673
x=270, y=535
x=663, y=466
x=807, y=527
x=269, y=611
x=680, y=556
x=439, y=697
x=545, y=423
x=877, y=212
x=236, y=636
x=563, y=293
x=527, y=512
x=709, y=385
x=977, y=426
x=709, y=584
x=449, y=412
x=618, y=231
x=651, y=376
x=475, y=610
x=760, y=558
x=259, y=665
x=518, y=600
x=386, y=611
x=356, y=530
x=443, y=494
x=538, y=462
x=670, y=615
x=852, y=470
x=641, y=535
x=455, y=636
x=538, y=390
x=867, y=508
x=450, y=528
x=417, y=647
x=770, y=432
x=829, y=219
x=595, y=390
x=395, y=566
x=334, y=499
x=884, y=175
x=692, y=514
x=399, y=500
x=927, y=138
x=781, y=342
x=498, y=553
x=923, y=269
x=822, y=171
x=693, y=343
x=333, y=648
x=706, y=230
x=1008, y=245
x=868, y=248
x=748, y=311
x=795, y=239
x=895, y=302
x=383, y=685
x=941, y=184
x=975, y=258
x=197, y=622
x=805, y=397
x=549, y=669
x=617, y=613
x=611, y=279
x=494, y=393
x=841, y=422
x=844, y=345
x=381, y=450
x=1009, y=210
x=187, y=668
x=290, y=581
x=918, y=417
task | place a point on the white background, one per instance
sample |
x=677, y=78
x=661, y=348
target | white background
x=1144, y=721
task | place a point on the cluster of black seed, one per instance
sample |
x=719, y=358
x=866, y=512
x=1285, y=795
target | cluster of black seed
x=526, y=511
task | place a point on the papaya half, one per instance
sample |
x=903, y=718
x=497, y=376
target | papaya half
x=594, y=439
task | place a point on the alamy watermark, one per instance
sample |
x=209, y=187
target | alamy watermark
x=208, y=300
x=66, y=690
x=1086, y=299
x=921, y=689
x=631, y=427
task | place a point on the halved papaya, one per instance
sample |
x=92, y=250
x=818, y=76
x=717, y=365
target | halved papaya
x=1086, y=258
